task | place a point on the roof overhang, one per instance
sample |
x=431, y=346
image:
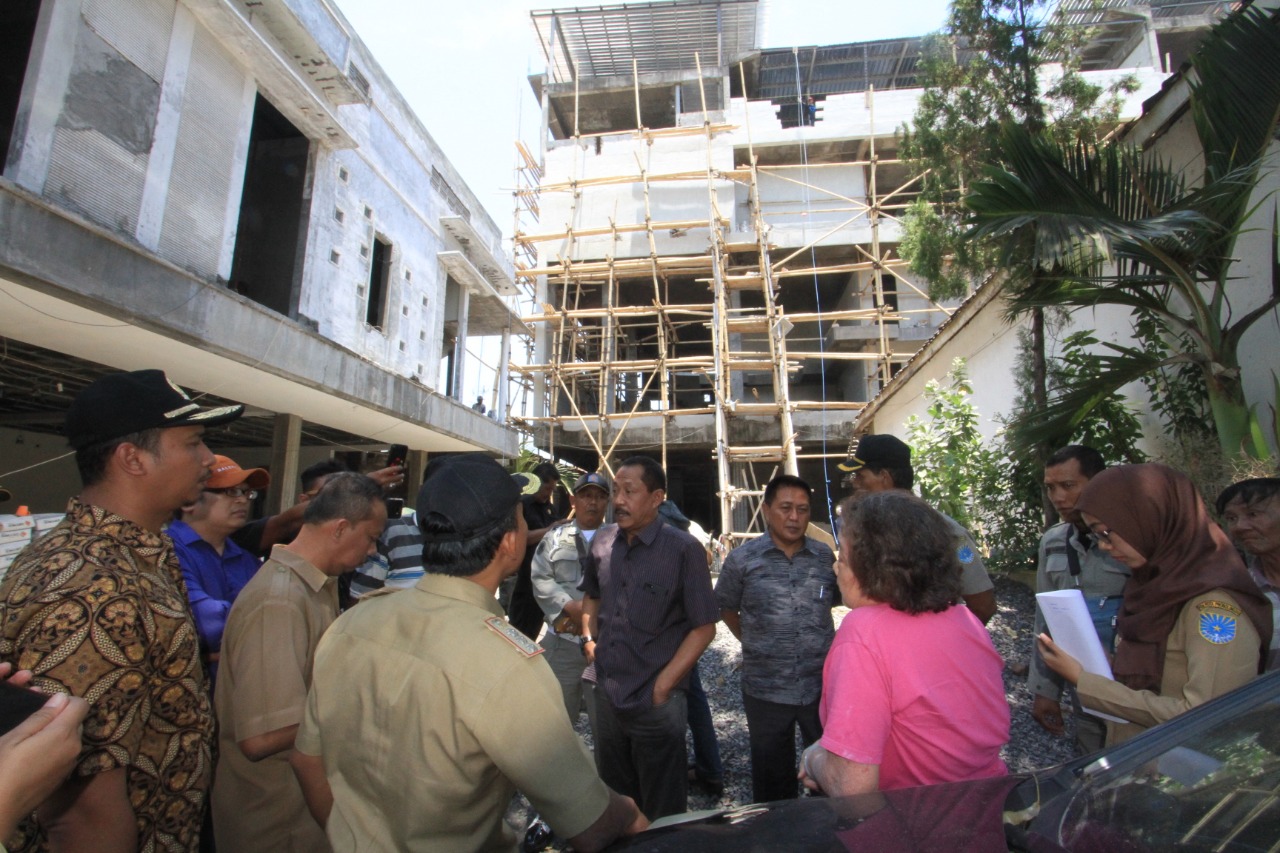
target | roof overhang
x=489, y=313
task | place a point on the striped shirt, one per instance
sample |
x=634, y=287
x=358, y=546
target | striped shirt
x=652, y=593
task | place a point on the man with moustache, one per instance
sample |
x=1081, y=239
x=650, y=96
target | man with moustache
x=214, y=566
x=1071, y=559
x=97, y=608
x=649, y=613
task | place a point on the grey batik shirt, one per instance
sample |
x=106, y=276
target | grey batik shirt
x=784, y=607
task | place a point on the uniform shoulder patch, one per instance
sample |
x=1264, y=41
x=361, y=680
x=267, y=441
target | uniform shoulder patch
x=523, y=644
x=965, y=554
x=1218, y=621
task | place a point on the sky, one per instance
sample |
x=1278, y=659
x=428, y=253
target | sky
x=463, y=66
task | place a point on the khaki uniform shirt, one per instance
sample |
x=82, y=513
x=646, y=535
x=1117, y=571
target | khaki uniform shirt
x=271, y=636
x=974, y=577
x=429, y=711
x=97, y=608
x=1213, y=649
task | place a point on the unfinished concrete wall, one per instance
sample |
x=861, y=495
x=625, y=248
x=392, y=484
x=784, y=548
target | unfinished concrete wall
x=624, y=203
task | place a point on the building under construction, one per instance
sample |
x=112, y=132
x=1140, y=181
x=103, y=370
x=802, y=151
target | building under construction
x=709, y=242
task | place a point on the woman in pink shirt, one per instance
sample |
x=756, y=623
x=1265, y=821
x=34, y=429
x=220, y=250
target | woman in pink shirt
x=912, y=693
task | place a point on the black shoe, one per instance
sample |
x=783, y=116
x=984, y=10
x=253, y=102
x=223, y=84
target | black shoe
x=537, y=835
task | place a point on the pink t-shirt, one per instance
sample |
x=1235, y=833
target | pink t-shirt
x=921, y=696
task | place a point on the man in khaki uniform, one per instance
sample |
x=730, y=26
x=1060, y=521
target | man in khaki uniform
x=557, y=576
x=272, y=632
x=427, y=710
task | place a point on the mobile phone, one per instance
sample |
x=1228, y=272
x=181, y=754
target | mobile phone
x=396, y=455
x=16, y=704
x=395, y=507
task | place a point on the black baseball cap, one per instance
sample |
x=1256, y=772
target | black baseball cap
x=878, y=452
x=472, y=491
x=122, y=403
x=592, y=479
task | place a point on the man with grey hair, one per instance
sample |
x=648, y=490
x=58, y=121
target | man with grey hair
x=267, y=648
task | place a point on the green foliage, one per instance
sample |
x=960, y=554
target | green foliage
x=947, y=454
x=1111, y=427
x=530, y=459
x=1105, y=223
x=976, y=482
x=984, y=70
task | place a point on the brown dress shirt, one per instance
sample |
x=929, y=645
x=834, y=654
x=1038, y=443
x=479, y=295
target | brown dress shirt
x=267, y=650
x=97, y=608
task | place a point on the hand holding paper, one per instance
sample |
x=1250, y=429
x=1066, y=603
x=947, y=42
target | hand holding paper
x=1075, y=647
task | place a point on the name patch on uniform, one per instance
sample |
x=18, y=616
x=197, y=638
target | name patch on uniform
x=965, y=554
x=523, y=644
x=1218, y=621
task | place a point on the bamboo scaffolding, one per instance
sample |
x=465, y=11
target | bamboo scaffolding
x=614, y=363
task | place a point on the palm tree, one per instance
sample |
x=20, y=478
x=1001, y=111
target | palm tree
x=1105, y=224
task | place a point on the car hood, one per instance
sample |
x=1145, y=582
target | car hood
x=951, y=817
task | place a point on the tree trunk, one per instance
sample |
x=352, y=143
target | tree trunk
x=1040, y=401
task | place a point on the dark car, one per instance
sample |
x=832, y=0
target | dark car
x=1208, y=780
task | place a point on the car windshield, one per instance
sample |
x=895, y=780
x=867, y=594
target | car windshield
x=1217, y=788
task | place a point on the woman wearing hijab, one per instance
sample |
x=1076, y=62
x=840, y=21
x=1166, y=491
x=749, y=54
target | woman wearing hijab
x=1192, y=620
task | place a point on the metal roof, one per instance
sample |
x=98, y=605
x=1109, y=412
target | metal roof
x=602, y=41
x=838, y=68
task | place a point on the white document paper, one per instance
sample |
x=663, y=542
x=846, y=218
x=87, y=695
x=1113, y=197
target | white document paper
x=1069, y=623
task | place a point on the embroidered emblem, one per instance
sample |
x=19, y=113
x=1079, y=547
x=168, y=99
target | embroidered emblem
x=1218, y=605
x=503, y=629
x=1218, y=628
x=965, y=554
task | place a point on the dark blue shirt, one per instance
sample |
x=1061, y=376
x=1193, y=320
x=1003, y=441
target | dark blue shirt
x=652, y=593
x=213, y=580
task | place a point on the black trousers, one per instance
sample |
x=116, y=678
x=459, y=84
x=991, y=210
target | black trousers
x=771, y=727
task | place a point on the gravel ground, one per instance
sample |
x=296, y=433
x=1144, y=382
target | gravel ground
x=1029, y=747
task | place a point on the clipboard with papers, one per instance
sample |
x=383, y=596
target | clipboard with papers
x=1067, y=617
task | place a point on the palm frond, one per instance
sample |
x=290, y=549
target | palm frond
x=1068, y=409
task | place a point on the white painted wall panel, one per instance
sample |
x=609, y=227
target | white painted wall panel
x=139, y=29
x=194, y=218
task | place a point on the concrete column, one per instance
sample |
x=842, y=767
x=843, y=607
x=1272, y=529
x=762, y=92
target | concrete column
x=415, y=468
x=53, y=50
x=460, y=345
x=286, y=441
x=164, y=141
x=504, y=375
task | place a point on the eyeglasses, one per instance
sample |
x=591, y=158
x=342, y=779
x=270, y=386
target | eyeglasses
x=236, y=492
x=1104, y=535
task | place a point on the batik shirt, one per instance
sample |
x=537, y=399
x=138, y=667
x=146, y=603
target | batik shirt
x=97, y=608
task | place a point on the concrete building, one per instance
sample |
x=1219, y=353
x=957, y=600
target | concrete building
x=235, y=192
x=711, y=239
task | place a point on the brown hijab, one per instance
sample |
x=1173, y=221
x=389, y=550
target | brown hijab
x=1158, y=511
